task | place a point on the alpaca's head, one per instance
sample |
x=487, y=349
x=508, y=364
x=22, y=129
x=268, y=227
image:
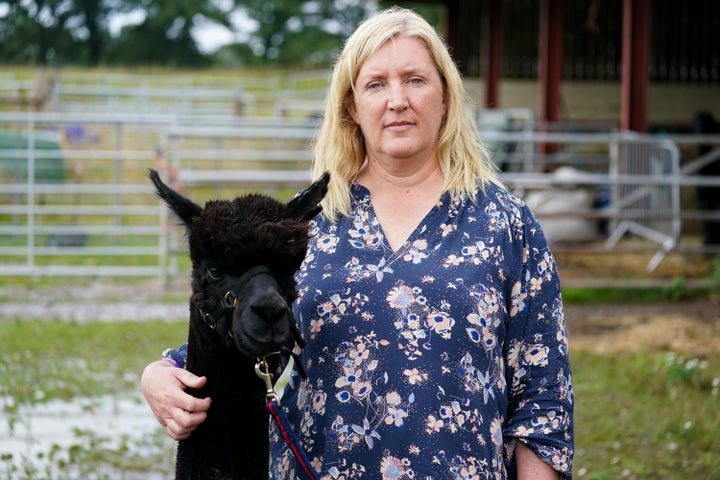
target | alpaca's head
x=244, y=255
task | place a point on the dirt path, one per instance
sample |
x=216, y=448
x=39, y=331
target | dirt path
x=685, y=326
x=692, y=327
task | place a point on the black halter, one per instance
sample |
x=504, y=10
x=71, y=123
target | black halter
x=226, y=306
x=229, y=301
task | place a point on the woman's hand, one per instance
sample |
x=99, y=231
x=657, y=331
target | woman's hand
x=163, y=386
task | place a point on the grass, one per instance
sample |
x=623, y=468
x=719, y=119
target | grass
x=61, y=360
x=646, y=415
x=675, y=291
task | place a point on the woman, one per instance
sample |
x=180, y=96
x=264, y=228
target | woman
x=429, y=298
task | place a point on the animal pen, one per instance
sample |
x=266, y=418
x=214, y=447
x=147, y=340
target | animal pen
x=100, y=218
x=598, y=184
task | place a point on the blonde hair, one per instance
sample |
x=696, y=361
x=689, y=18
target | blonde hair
x=339, y=147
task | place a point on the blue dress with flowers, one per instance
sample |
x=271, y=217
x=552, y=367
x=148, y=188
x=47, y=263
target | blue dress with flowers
x=432, y=361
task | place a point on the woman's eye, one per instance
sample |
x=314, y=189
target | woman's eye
x=215, y=273
x=373, y=85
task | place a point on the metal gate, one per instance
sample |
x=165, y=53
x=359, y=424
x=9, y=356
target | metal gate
x=645, y=192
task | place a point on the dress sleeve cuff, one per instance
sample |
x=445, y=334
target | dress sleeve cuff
x=176, y=357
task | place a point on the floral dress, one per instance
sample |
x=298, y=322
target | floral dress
x=432, y=361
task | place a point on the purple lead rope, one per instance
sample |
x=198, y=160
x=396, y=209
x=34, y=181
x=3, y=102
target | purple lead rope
x=278, y=414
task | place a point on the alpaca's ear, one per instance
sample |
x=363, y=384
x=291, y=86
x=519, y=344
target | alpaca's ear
x=307, y=203
x=183, y=207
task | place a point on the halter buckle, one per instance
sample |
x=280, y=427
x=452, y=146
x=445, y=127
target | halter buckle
x=230, y=299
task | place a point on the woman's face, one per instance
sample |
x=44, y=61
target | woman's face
x=399, y=101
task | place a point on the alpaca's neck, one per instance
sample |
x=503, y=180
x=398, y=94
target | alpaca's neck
x=233, y=441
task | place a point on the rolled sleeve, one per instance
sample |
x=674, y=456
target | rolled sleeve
x=540, y=407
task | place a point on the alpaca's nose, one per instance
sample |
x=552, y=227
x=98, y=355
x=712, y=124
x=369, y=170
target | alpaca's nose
x=270, y=307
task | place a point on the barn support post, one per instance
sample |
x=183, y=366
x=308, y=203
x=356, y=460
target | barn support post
x=550, y=60
x=491, y=57
x=635, y=63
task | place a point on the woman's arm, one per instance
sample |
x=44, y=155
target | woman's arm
x=530, y=467
x=540, y=398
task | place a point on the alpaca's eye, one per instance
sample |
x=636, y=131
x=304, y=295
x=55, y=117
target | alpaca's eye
x=215, y=273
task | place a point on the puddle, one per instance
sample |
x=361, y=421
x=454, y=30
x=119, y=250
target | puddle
x=95, y=312
x=97, y=438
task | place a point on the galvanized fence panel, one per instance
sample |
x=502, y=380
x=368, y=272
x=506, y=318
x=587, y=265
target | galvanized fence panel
x=638, y=169
x=96, y=214
x=101, y=217
x=634, y=181
x=273, y=155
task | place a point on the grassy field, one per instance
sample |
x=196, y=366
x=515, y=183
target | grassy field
x=639, y=415
x=646, y=416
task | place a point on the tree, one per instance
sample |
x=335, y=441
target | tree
x=165, y=35
x=77, y=31
x=302, y=32
x=95, y=14
x=33, y=31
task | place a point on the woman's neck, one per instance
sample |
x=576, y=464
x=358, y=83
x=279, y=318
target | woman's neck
x=401, y=178
x=401, y=201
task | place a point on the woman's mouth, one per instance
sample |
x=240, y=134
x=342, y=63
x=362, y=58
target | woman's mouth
x=398, y=125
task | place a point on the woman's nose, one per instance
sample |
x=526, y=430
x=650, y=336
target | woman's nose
x=398, y=98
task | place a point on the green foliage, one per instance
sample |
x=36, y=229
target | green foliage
x=165, y=35
x=292, y=32
x=677, y=289
x=77, y=32
x=37, y=32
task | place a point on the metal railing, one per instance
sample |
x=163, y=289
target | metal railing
x=100, y=217
x=298, y=95
x=639, y=175
x=103, y=219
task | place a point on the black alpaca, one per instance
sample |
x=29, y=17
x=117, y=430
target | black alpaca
x=244, y=255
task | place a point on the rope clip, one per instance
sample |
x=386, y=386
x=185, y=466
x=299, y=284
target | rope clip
x=263, y=371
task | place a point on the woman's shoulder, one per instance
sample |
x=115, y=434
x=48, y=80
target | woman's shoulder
x=499, y=198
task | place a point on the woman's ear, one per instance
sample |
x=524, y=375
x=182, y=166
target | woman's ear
x=350, y=107
x=349, y=103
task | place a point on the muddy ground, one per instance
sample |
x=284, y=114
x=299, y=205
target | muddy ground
x=691, y=326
